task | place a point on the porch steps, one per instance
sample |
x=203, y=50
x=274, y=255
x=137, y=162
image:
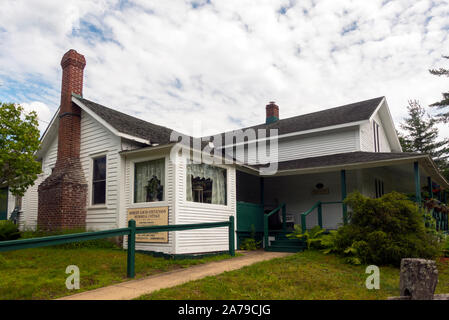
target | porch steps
x=284, y=244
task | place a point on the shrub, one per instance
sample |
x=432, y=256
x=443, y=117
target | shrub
x=445, y=247
x=385, y=230
x=251, y=243
x=312, y=237
x=8, y=231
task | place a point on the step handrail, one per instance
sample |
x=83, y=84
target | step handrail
x=265, y=221
x=318, y=205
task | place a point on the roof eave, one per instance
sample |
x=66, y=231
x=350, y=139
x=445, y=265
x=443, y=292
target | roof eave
x=107, y=125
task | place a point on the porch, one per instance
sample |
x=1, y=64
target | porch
x=309, y=194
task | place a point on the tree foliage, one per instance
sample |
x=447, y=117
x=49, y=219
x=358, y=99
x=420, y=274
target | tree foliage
x=19, y=140
x=422, y=135
x=444, y=103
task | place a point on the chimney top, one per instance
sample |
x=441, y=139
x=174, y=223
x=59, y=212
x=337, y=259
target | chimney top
x=272, y=111
x=73, y=58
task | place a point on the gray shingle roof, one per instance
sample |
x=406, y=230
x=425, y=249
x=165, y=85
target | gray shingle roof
x=161, y=135
x=130, y=125
x=340, y=159
x=353, y=112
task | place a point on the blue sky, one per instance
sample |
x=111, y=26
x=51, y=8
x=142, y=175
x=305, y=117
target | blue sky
x=218, y=63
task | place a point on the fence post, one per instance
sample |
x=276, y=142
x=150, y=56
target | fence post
x=131, y=249
x=231, y=236
x=320, y=215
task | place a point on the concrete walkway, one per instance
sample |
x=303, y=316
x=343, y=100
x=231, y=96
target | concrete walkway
x=135, y=288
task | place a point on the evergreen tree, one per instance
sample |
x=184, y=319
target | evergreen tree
x=422, y=135
x=444, y=103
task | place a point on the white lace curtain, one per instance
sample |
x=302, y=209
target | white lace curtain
x=215, y=174
x=144, y=171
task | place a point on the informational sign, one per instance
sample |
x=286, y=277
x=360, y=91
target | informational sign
x=144, y=217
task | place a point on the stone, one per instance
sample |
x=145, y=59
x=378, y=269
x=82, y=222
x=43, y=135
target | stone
x=418, y=278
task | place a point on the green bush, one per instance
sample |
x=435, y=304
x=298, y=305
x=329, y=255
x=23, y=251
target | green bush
x=312, y=237
x=8, y=231
x=445, y=247
x=385, y=230
x=251, y=243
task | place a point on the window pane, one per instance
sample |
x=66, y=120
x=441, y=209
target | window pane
x=149, y=179
x=100, y=169
x=99, y=192
x=99, y=181
x=206, y=184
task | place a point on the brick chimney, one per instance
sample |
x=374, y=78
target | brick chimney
x=63, y=195
x=272, y=113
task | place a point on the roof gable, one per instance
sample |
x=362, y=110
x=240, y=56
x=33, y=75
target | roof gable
x=128, y=125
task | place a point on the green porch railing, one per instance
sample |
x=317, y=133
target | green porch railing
x=319, y=207
x=130, y=231
x=441, y=219
x=265, y=221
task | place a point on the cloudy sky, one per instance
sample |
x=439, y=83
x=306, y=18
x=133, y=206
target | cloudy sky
x=176, y=63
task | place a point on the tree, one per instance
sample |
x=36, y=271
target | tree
x=444, y=103
x=19, y=140
x=422, y=135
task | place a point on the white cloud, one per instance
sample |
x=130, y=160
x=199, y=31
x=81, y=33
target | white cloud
x=44, y=114
x=222, y=62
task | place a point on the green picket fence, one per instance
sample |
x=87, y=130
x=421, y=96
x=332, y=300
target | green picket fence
x=130, y=231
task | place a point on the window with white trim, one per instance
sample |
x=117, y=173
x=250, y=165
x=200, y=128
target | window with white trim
x=149, y=180
x=206, y=184
x=99, y=181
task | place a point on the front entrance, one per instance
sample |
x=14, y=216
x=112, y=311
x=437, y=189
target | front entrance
x=3, y=203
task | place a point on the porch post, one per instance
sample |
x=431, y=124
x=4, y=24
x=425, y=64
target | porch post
x=417, y=183
x=320, y=215
x=262, y=192
x=429, y=185
x=284, y=217
x=343, y=196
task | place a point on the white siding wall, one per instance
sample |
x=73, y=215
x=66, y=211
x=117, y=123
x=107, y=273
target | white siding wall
x=319, y=145
x=11, y=204
x=202, y=240
x=367, y=136
x=384, y=144
x=312, y=145
x=28, y=219
x=128, y=199
x=395, y=178
x=95, y=140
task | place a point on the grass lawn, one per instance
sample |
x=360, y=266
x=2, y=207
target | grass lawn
x=306, y=275
x=40, y=273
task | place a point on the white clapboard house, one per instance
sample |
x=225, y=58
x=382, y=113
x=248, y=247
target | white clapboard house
x=321, y=157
